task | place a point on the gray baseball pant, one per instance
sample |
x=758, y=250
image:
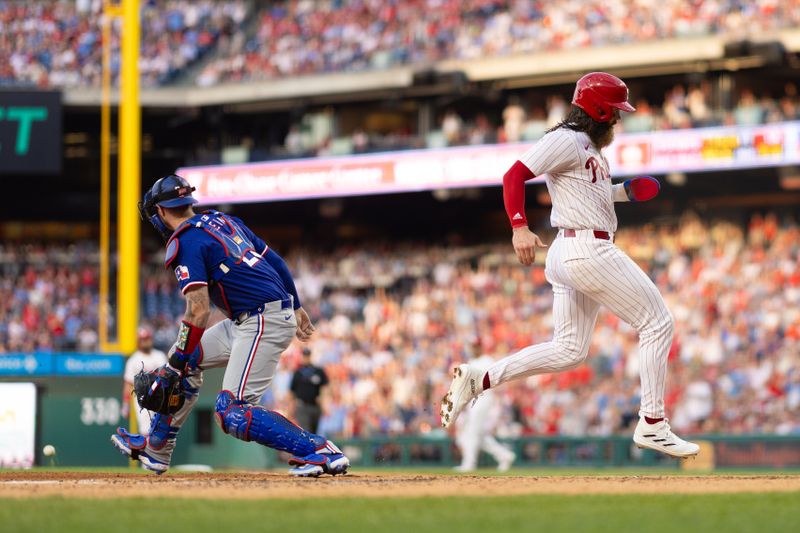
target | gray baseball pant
x=249, y=349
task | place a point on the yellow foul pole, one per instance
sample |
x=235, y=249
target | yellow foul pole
x=129, y=180
x=105, y=178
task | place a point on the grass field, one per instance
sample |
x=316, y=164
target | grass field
x=419, y=501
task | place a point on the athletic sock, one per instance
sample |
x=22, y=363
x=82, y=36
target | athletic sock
x=486, y=383
x=652, y=421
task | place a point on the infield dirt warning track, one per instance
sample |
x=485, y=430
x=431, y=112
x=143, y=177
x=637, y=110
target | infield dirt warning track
x=371, y=484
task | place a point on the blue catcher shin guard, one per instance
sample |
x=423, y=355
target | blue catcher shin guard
x=161, y=431
x=253, y=423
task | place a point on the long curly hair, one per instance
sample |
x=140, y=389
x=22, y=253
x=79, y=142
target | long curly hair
x=601, y=133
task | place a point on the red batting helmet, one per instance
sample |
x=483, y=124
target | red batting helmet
x=597, y=93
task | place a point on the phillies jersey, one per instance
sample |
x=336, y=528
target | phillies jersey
x=578, y=180
x=219, y=251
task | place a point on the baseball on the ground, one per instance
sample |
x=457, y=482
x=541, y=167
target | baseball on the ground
x=49, y=450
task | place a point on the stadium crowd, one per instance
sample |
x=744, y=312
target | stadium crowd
x=298, y=37
x=56, y=43
x=528, y=119
x=59, y=43
x=391, y=322
x=48, y=297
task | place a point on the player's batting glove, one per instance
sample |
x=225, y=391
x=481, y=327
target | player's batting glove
x=642, y=188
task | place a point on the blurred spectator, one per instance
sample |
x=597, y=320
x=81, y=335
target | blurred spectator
x=697, y=105
x=536, y=125
x=451, y=127
x=556, y=110
x=675, y=108
x=748, y=111
x=513, y=119
x=306, y=386
x=640, y=121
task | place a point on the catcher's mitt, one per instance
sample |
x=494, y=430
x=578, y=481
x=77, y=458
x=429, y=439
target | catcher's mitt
x=160, y=391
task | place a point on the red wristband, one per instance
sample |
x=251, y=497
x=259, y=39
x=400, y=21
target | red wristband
x=189, y=337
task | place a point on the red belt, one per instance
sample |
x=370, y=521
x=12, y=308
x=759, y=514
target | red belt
x=597, y=234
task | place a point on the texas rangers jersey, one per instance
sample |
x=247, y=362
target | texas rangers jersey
x=219, y=251
x=578, y=180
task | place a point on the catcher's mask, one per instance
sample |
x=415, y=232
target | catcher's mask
x=169, y=191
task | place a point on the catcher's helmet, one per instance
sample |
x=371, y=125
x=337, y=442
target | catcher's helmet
x=169, y=191
x=598, y=93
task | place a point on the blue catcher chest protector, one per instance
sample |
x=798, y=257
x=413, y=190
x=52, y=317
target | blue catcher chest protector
x=237, y=246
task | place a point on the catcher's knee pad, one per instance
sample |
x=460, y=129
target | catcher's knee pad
x=254, y=423
x=161, y=431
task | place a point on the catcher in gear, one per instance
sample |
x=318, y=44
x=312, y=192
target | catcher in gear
x=217, y=258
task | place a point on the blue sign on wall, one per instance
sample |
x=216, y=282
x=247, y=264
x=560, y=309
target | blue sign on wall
x=61, y=364
x=89, y=364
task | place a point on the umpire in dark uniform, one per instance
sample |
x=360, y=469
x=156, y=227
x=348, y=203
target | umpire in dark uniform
x=306, y=384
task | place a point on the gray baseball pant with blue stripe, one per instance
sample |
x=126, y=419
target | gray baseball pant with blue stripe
x=249, y=349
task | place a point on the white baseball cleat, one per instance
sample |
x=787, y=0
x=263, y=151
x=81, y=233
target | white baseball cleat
x=659, y=437
x=467, y=384
x=504, y=465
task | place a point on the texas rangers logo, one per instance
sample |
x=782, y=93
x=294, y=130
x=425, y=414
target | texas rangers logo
x=181, y=272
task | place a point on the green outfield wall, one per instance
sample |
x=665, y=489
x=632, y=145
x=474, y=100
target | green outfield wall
x=77, y=413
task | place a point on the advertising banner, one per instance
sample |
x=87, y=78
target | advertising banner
x=658, y=152
x=706, y=149
x=17, y=425
x=407, y=171
x=61, y=364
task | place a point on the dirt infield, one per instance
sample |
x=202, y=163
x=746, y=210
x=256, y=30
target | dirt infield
x=279, y=485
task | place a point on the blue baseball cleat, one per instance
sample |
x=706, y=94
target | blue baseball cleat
x=326, y=460
x=133, y=445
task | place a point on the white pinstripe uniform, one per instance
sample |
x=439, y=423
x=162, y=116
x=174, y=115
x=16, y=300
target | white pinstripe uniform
x=148, y=362
x=587, y=271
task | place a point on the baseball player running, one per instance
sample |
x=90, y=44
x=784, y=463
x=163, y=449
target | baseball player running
x=583, y=265
x=217, y=258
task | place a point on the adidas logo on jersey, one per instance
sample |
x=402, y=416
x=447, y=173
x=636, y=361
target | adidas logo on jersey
x=517, y=217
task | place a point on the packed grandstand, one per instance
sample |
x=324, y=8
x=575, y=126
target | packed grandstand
x=57, y=43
